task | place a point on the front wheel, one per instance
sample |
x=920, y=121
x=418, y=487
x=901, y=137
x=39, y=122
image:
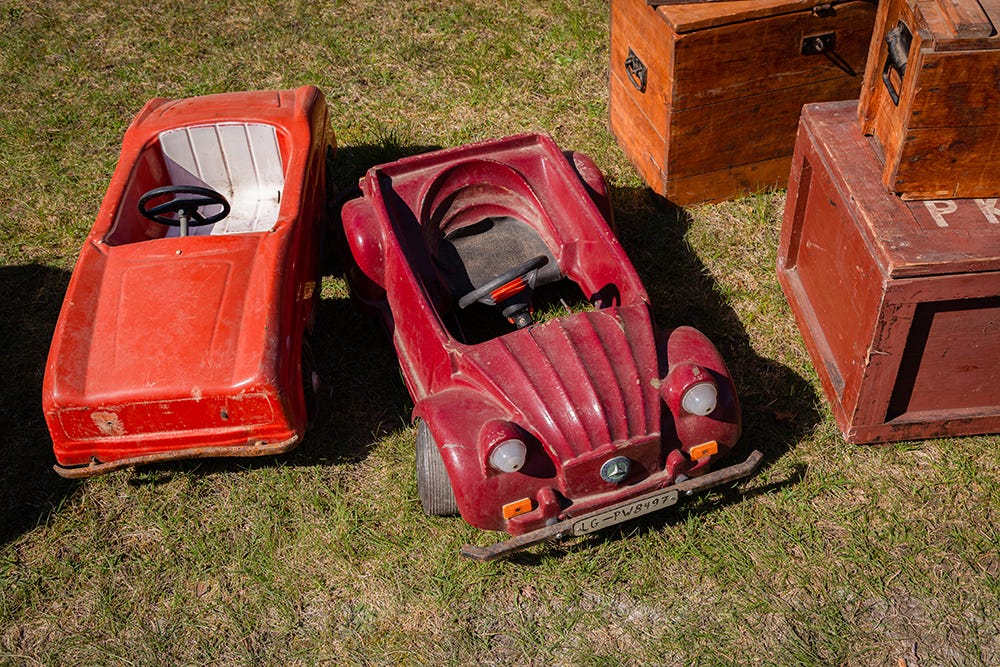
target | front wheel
x=433, y=484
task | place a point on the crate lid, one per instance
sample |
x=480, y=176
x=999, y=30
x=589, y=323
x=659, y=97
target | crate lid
x=949, y=25
x=907, y=238
x=688, y=17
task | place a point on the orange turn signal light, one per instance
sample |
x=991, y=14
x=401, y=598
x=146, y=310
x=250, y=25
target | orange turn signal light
x=510, y=510
x=704, y=449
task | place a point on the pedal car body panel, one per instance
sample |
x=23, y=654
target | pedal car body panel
x=173, y=347
x=585, y=391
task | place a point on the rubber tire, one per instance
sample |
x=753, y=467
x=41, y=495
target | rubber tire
x=433, y=484
x=311, y=383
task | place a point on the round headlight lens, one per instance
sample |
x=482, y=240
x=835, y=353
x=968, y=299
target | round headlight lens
x=508, y=456
x=700, y=399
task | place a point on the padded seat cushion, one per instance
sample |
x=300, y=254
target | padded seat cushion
x=476, y=254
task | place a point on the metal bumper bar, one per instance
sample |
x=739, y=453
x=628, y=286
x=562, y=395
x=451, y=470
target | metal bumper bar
x=581, y=524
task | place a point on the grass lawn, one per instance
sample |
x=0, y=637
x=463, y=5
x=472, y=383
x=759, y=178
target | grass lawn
x=832, y=555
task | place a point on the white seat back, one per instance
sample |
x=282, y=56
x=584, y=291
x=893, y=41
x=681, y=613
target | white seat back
x=241, y=161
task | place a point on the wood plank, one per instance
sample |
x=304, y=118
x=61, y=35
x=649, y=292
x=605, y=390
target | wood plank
x=904, y=236
x=699, y=16
x=881, y=116
x=957, y=342
x=643, y=145
x=838, y=273
x=873, y=97
x=740, y=60
x=936, y=425
x=736, y=181
x=707, y=138
x=635, y=27
x=932, y=21
x=949, y=163
x=646, y=150
x=660, y=3
x=992, y=10
x=940, y=140
x=965, y=18
x=719, y=110
x=808, y=321
x=957, y=89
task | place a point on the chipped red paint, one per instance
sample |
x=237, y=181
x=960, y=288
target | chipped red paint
x=167, y=347
x=582, y=387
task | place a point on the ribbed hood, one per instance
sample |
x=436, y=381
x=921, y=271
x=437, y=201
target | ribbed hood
x=579, y=383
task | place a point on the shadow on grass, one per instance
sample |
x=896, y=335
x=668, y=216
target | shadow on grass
x=352, y=162
x=778, y=405
x=29, y=489
x=364, y=395
x=724, y=496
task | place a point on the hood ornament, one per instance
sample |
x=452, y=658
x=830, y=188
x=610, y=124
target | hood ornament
x=615, y=470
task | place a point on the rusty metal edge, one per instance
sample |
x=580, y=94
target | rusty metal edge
x=257, y=448
x=555, y=531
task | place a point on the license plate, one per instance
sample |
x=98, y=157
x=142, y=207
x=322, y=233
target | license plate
x=625, y=511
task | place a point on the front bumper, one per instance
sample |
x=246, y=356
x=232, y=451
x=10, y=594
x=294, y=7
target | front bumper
x=618, y=513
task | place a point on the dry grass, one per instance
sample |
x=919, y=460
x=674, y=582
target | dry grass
x=832, y=555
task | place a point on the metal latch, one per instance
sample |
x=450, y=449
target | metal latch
x=816, y=44
x=825, y=44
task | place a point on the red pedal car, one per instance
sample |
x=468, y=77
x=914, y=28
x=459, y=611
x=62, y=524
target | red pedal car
x=184, y=329
x=539, y=420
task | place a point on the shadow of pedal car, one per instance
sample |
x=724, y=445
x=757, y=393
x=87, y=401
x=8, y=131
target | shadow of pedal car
x=546, y=402
x=185, y=328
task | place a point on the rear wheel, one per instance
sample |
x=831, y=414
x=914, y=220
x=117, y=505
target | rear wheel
x=310, y=383
x=433, y=485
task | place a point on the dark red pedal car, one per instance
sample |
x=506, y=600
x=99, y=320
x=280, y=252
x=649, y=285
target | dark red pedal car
x=547, y=404
x=184, y=328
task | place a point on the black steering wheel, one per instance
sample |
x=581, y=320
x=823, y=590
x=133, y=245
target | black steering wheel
x=185, y=208
x=486, y=291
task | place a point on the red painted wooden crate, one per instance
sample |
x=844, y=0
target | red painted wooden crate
x=898, y=301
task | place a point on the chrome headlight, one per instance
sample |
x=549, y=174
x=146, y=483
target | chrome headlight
x=700, y=398
x=508, y=456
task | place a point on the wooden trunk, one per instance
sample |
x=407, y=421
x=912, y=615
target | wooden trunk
x=705, y=97
x=898, y=302
x=931, y=97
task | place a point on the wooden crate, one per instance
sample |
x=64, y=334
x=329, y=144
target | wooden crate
x=898, y=302
x=931, y=97
x=705, y=97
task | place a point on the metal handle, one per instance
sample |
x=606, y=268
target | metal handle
x=636, y=71
x=898, y=41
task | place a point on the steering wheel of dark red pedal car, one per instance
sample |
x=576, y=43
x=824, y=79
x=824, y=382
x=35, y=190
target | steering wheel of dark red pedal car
x=505, y=285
